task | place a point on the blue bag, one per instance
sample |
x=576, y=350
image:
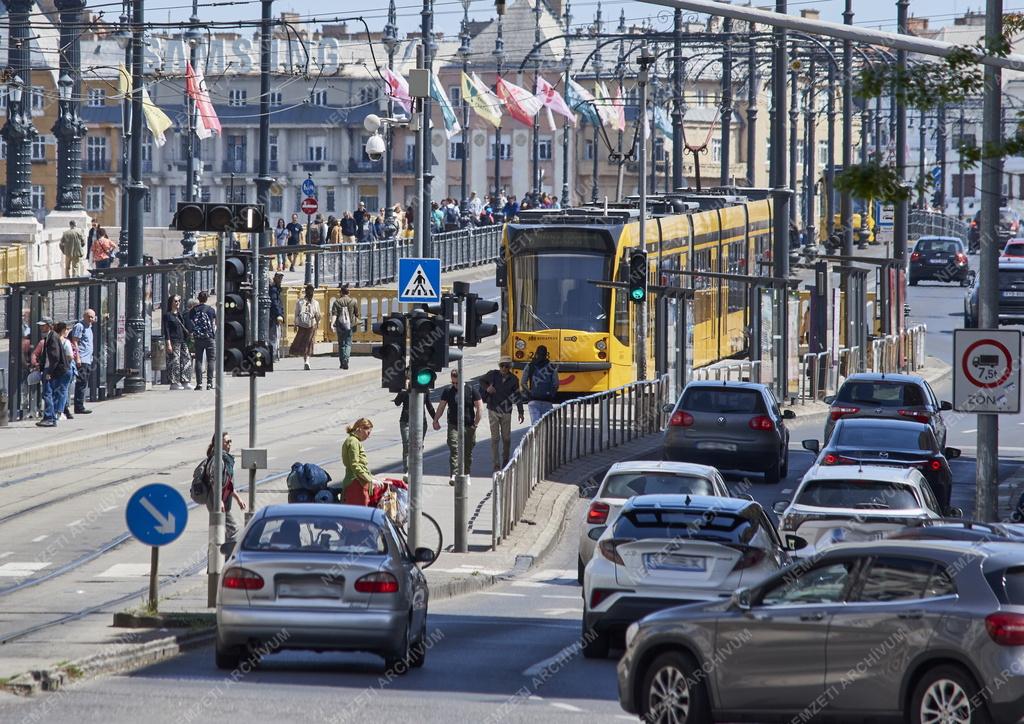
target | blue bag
x=308, y=476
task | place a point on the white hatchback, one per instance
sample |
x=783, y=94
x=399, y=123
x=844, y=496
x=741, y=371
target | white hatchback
x=642, y=477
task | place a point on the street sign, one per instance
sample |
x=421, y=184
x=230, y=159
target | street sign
x=309, y=187
x=309, y=206
x=156, y=514
x=419, y=280
x=888, y=216
x=986, y=374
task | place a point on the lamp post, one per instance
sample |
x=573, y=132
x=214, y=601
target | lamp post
x=794, y=119
x=845, y=199
x=677, y=100
x=19, y=132
x=390, y=41
x=123, y=36
x=830, y=169
x=565, y=125
x=752, y=82
x=69, y=128
x=463, y=52
x=901, y=220
x=780, y=217
x=726, y=152
x=135, y=379
x=960, y=166
x=597, y=79
x=940, y=157
x=499, y=60
x=620, y=73
x=193, y=36
x=810, y=168
x=264, y=181
x=922, y=138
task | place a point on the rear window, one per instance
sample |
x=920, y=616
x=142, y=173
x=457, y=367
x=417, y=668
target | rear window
x=1014, y=250
x=1008, y=277
x=945, y=246
x=626, y=485
x=298, y=534
x=706, y=525
x=890, y=437
x=867, y=494
x=882, y=394
x=715, y=399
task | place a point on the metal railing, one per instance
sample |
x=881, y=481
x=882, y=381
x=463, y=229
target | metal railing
x=929, y=223
x=904, y=352
x=571, y=431
x=816, y=372
x=745, y=371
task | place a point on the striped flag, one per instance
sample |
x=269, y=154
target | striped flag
x=553, y=100
x=484, y=103
x=398, y=89
x=451, y=123
x=520, y=103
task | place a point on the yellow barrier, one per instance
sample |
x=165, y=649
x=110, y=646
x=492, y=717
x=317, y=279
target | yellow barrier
x=13, y=264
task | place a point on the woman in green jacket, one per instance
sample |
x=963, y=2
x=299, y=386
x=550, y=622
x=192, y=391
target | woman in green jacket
x=358, y=482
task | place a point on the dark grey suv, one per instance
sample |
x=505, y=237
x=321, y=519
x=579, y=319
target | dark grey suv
x=731, y=425
x=890, y=396
x=912, y=631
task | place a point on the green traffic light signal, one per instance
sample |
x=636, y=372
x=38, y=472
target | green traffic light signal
x=424, y=379
x=637, y=295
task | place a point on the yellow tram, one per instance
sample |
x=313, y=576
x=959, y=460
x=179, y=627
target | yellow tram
x=549, y=259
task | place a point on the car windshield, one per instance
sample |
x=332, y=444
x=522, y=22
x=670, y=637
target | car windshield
x=868, y=494
x=312, y=534
x=945, y=246
x=705, y=524
x=1007, y=215
x=881, y=394
x=722, y=399
x=1014, y=250
x=626, y=485
x=890, y=437
x=1009, y=277
x=553, y=291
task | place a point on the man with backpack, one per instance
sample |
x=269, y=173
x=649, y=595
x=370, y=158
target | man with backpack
x=540, y=380
x=344, y=318
x=204, y=331
x=451, y=216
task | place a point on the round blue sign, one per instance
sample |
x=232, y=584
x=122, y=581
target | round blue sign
x=308, y=187
x=156, y=514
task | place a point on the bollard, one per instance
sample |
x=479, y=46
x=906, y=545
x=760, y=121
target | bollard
x=461, y=495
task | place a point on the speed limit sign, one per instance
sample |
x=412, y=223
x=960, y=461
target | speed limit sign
x=986, y=377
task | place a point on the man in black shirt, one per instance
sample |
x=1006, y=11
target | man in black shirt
x=500, y=390
x=402, y=399
x=472, y=409
x=294, y=237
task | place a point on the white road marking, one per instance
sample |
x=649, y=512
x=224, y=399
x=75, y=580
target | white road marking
x=73, y=523
x=125, y=570
x=40, y=537
x=571, y=598
x=499, y=593
x=19, y=569
x=570, y=650
x=108, y=509
x=4, y=555
x=305, y=449
x=558, y=611
x=567, y=707
x=968, y=432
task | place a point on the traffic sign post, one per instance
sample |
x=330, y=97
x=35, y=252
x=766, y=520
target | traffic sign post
x=156, y=515
x=309, y=206
x=419, y=281
x=986, y=374
x=309, y=187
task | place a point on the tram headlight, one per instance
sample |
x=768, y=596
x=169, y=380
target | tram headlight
x=520, y=344
x=601, y=345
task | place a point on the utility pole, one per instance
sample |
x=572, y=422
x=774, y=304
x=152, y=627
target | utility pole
x=134, y=350
x=193, y=36
x=960, y=166
x=427, y=30
x=677, y=100
x=598, y=29
x=124, y=41
x=646, y=61
x=726, y=151
x=215, y=538
x=19, y=132
x=536, y=117
x=810, y=121
x=794, y=127
x=922, y=138
x=463, y=52
x=752, y=91
x=565, y=125
x=499, y=60
x=69, y=128
x=390, y=41
x=830, y=168
x=901, y=221
x=987, y=476
x=940, y=157
x=620, y=73
x=781, y=194
x=845, y=200
x=862, y=240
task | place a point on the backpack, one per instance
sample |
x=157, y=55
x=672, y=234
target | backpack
x=201, y=324
x=308, y=476
x=305, y=316
x=344, y=318
x=61, y=365
x=542, y=382
x=451, y=216
x=199, y=491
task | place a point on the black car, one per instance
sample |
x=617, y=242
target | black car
x=894, y=443
x=1006, y=228
x=957, y=530
x=939, y=258
x=1011, y=296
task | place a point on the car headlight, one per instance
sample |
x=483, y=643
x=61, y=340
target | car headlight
x=631, y=632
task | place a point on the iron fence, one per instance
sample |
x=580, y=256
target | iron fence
x=929, y=223
x=571, y=431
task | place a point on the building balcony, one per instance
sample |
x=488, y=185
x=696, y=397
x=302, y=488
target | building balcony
x=234, y=165
x=403, y=166
x=309, y=166
x=360, y=165
x=96, y=165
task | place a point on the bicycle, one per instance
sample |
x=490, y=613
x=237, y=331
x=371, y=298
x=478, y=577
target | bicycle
x=392, y=503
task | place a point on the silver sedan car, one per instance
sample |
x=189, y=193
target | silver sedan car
x=323, y=577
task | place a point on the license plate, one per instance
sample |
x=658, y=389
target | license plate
x=1013, y=294
x=673, y=562
x=938, y=261
x=308, y=590
x=726, y=446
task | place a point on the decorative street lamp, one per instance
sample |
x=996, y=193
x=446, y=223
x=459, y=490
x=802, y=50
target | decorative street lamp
x=499, y=60
x=19, y=131
x=567, y=60
x=123, y=36
x=390, y=41
x=463, y=53
x=69, y=128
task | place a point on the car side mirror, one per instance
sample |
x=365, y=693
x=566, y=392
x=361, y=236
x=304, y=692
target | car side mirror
x=788, y=415
x=945, y=405
x=811, y=446
x=595, y=533
x=954, y=513
x=668, y=408
x=829, y=399
x=951, y=453
x=423, y=555
x=779, y=506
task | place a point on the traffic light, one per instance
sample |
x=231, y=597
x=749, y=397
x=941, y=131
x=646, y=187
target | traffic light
x=424, y=334
x=216, y=216
x=449, y=334
x=259, y=359
x=476, y=328
x=638, y=275
x=237, y=288
x=391, y=351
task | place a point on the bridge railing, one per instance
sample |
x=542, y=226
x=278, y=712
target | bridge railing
x=571, y=431
x=929, y=223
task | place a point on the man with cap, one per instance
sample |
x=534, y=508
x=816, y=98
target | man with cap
x=276, y=315
x=500, y=390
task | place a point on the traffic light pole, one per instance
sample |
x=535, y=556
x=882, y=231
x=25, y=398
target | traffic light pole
x=416, y=397
x=215, y=558
x=646, y=61
x=462, y=479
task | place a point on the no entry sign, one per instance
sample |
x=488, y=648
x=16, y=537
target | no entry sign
x=309, y=206
x=986, y=374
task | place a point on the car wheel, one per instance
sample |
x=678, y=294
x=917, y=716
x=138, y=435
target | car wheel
x=580, y=565
x=595, y=643
x=946, y=694
x=674, y=691
x=773, y=474
x=418, y=655
x=227, y=658
x=784, y=471
x=398, y=660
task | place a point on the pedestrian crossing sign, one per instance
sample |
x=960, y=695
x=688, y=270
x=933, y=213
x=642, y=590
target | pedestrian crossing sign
x=419, y=280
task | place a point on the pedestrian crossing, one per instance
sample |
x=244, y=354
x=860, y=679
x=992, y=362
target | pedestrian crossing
x=20, y=569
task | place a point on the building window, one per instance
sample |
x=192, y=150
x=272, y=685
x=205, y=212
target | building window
x=455, y=150
x=455, y=95
x=368, y=94
x=273, y=152
x=823, y=153
x=506, y=148
x=588, y=150
x=316, y=148
x=276, y=99
x=147, y=150
x=236, y=154
x=236, y=195
x=318, y=98
x=544, y=149
x=39, y=148
x=38, y=197
x=716, y=150
x=369, y=195
x=702, y=98
x=410, y=150
x=38, y=100
x=97, y=97
x=147, y=202
x=276, y=202
x=237, y=97
x=94, y=198
x=968, y=139
x=331, y=198
x=95, y=153
x=964, y=184
x=172, y=197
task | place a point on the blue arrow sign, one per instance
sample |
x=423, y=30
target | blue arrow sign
x=419, y=280
x=937, y=173
x=308, y=187
x=156, y=514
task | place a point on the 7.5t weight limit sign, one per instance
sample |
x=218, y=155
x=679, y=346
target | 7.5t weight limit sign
x=986, y=374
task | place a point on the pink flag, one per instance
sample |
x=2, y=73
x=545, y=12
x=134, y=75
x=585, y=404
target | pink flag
x=520, y=103
x=398, y=89
x=553, y=100
x=207, y=122
x=619, y=108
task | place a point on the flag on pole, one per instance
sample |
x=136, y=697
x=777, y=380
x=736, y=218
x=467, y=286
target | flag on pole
x=603, y=103
x=521, y=103
x=581, y=101
x=157, y=121
x=553, y=100
x=451, y=123
x=664, y=124
x=619, y=106
x=207, y=122
x=484, y=103
x=398, y=89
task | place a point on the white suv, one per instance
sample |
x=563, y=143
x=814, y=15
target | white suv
x=642, y=477
x=835, y=504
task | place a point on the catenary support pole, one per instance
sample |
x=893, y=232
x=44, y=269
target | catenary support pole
x=215, y=556
x=725, y=172
x=134, y=347
x=845, y=200
x=462, y=475
x=902, y=218
x=677, y=100
x=752, y=93
x=782, y=199
x=646, y=61
x=416, y=398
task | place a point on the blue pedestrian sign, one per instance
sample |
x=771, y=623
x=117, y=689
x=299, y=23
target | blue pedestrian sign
x=156, y=514
x=308, y=187
x=419, y=280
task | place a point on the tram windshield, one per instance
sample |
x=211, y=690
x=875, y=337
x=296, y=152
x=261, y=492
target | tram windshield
x=553, y=291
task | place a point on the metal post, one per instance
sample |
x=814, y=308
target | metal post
x=781, y=193
x=215, y=556
x=677, y=100
x=193, y=36
x=264, y=181
x=960, y=166
x=135, y=378
x=862, y=240
x=427, y=31
x=565, y=125
x=462, y=475
x=810, y=165
x=536, y=119
x=752, y=90
x=69, y=128
x=124, y=31
x=19, y=131
x=594, y=189
x=830, y=168
x=899, y=235
x=416, y=398
x=464, y=51
x=726, y=137
x=845, y=200
x=987, y=476
x=499, y=59
x=922, y=138
x=646, y=61
x=620, y=72
x=794, y=120
x=390, y=41
x=940, y=157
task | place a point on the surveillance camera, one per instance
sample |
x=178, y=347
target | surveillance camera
x=375, y=147
x=371, y=123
